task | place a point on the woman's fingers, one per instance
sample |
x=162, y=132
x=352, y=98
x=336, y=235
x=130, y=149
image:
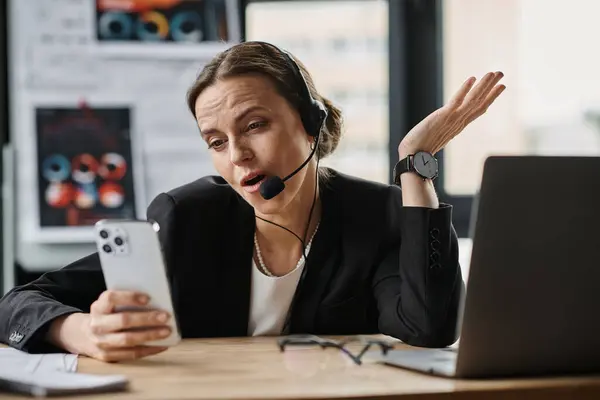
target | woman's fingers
x=110, y=299
x=477, y=92
x=106, y=323
x=477, y=101
x=126, y=354
x=458, y=98
x=487, y=102
x=489, y=86
x=118, y=336
x=127, y=339
x=480, y=92
x=493, y=95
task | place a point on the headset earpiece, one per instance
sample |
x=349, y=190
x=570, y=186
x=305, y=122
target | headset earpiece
x=313, y=112
x=314, y=118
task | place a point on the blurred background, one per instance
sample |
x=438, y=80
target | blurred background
x=119, y=70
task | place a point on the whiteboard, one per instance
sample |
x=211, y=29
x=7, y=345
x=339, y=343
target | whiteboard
x=64, y=65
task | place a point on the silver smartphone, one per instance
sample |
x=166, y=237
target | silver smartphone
x=131, y=259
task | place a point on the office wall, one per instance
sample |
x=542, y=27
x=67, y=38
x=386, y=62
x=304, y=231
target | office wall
x=57, y=59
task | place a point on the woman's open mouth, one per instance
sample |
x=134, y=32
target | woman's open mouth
x=252, y=185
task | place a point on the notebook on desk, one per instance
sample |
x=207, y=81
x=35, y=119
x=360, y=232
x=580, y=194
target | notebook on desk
x=532, y=297
x=47, y=383
x=52, y=374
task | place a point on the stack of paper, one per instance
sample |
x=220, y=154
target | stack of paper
x=50, y=374
x=20, y=360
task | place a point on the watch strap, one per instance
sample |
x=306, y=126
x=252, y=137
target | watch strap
x=402, y=166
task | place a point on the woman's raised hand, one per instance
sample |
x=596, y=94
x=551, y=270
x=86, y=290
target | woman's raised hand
x=470, y=102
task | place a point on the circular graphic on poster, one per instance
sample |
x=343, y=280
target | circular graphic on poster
x=115, y=26
x=152, y=26
x=112, y=167
x=86, y=196
x=84, y=168
x=59, y=194
x=56, y=168
x=111, y=195
x=186, y=26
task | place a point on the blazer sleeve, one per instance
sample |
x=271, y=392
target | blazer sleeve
x=418, y=284
x=26, y=311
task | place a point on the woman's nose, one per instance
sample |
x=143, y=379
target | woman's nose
x=239, y=152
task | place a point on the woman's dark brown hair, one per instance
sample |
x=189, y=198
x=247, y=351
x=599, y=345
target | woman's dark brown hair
x=261, y=58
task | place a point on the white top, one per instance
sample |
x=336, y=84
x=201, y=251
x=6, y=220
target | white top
x=271, y=297
x=270, y=300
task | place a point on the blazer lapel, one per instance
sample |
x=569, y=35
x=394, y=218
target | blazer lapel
x=321, y=263
x=236, y=269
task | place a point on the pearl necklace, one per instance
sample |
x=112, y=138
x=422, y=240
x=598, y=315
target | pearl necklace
x=261, y=264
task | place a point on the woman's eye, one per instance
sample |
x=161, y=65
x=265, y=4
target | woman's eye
x=216, y=144
x=256, y=125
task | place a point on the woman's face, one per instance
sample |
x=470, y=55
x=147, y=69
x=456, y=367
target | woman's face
x=253, y=132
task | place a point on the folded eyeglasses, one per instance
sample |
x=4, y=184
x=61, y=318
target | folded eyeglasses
x=311, y=340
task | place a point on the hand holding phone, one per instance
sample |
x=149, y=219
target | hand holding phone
x=109, y=336
x=119, y=336
x=134, y=269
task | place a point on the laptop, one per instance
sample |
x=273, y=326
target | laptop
x=532, y=302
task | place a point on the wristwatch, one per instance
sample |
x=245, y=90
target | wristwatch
x=422, y=163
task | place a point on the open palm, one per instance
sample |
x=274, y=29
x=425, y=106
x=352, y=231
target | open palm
x=434, y=132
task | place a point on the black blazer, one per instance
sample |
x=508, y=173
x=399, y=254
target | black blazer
x=374, y=267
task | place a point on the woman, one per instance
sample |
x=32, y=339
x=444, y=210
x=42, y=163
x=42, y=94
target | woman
x=378, y=258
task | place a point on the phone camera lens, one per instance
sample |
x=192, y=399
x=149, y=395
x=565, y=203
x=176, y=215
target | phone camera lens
x=103, y=234
x=118, y=241
x=107, y=248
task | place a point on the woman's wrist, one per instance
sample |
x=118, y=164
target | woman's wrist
x=416, y=191
x=67, y=332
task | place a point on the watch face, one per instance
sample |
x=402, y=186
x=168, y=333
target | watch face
x=425, y=164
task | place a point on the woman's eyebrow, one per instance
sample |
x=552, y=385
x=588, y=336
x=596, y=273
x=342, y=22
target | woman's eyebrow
x=206, y=132
x=247, y=111
x=238, y=118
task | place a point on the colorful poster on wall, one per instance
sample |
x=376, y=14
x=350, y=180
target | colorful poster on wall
x=85, y=165
x=192, y=21
x=142, y=27
x=132, y=62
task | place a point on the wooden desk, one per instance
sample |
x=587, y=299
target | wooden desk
x=253, y=368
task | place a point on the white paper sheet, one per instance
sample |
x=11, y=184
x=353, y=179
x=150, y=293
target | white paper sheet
x=50, y=374
x=19, y=360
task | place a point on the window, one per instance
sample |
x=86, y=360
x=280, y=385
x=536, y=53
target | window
x=339, y=95
x=340, y=69
x=547, y=50
x=339, y=44
x=373, y=44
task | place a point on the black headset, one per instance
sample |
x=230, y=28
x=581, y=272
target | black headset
x=312, y=112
